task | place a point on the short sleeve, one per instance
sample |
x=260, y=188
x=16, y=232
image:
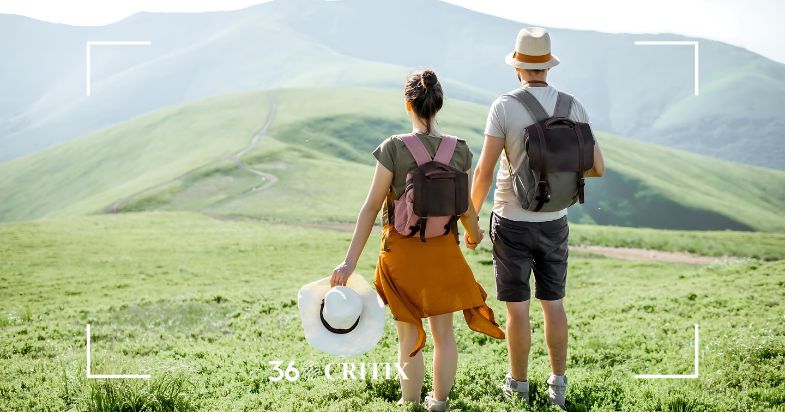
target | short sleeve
x=578, y=112
x=494, y=125
x=385, y=153
x=469, y=156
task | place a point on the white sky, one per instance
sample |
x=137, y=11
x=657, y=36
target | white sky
x=753, y=24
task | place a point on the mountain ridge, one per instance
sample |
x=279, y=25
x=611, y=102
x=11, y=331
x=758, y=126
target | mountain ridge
x=301, y=43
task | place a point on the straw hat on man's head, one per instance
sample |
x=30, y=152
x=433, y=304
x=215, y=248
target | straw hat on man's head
x=342, y=320
x=532, y=50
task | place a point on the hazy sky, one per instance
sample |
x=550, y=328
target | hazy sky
x=753, y=24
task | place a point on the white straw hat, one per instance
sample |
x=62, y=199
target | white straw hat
x=532, y=50
x=343, y=320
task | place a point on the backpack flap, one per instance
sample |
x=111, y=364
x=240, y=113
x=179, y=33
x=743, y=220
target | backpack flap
x=564, y=143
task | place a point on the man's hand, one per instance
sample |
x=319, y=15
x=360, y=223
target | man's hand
x=341, y=274
x=472, y=245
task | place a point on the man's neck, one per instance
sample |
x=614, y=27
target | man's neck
x=534, y=83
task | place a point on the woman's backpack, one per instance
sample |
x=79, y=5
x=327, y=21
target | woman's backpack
x=558, y=151
x=436, y=193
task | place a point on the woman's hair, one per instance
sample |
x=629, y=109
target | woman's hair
x=424, y=92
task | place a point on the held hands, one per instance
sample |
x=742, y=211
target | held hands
x=473, y=244
x=341, y=274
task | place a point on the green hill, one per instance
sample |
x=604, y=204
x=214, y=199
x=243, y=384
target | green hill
x=318, y=147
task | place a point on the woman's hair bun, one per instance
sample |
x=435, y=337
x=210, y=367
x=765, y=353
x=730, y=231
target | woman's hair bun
x=423, y=90
x=428, y=78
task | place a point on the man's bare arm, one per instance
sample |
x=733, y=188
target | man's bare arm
x=598, y=170
x=483, y=174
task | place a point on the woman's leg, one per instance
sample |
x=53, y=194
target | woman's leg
x=412, y=367
x=445, y=355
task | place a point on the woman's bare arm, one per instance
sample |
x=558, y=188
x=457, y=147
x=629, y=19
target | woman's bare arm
x=382, y=178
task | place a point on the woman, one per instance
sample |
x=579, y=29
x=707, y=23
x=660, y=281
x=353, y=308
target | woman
x=421, y=279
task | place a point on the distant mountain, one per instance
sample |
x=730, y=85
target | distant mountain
x=642, y=92
x=319, y=149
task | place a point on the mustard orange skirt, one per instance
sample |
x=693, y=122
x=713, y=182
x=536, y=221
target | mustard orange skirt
x=418, y=280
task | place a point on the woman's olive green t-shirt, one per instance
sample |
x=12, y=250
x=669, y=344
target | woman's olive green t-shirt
x=393, y=154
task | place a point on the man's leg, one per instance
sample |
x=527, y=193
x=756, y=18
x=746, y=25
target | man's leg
x=519, y=333
x=556, y=334
x=512, y=264
x=550, y=277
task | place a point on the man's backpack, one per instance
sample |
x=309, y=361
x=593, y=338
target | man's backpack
x=558, y=151
x=436, y=193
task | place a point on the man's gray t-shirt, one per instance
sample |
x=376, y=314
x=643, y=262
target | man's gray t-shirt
x=507, y=119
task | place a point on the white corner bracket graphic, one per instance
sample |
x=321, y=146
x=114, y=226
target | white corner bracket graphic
x=694, y=374
x=90, y=44
x=676, y=43
x=91, y=376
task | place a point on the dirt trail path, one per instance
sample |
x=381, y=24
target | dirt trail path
x=268, y=178
x=648, y=255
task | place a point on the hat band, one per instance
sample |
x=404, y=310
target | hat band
x=332, y=329
x=531, y=59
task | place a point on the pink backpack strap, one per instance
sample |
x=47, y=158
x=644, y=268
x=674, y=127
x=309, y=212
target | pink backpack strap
x=416, y=148
x=446, y=149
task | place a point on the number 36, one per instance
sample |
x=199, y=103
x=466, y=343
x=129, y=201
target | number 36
x=291, y=373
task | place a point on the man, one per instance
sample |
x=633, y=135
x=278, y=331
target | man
x=525, y=240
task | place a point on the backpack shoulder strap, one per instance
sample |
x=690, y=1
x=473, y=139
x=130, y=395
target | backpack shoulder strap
x=446, y=149
x=416, y=148
x=563, y=105
x=531, y=104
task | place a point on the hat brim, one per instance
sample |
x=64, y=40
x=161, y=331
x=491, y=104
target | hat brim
x=512, y=61
x=360, y=340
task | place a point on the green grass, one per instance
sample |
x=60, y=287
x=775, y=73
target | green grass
x=203, y=305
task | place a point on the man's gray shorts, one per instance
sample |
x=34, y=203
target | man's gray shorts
x=519, y=248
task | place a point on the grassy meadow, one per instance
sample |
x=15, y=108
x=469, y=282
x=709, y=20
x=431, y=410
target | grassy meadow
x=203, y=305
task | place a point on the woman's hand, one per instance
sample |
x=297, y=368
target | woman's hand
x=473, y=244
x=341, y=274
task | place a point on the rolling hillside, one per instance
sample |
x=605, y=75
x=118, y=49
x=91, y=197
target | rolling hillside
x=641, y=92
x=318, y=147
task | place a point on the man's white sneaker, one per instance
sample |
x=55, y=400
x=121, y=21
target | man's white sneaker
x=434, y=405
x=557, y=390
x=515, y=389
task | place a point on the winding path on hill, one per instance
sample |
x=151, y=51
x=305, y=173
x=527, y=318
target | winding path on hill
x=269, y=178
